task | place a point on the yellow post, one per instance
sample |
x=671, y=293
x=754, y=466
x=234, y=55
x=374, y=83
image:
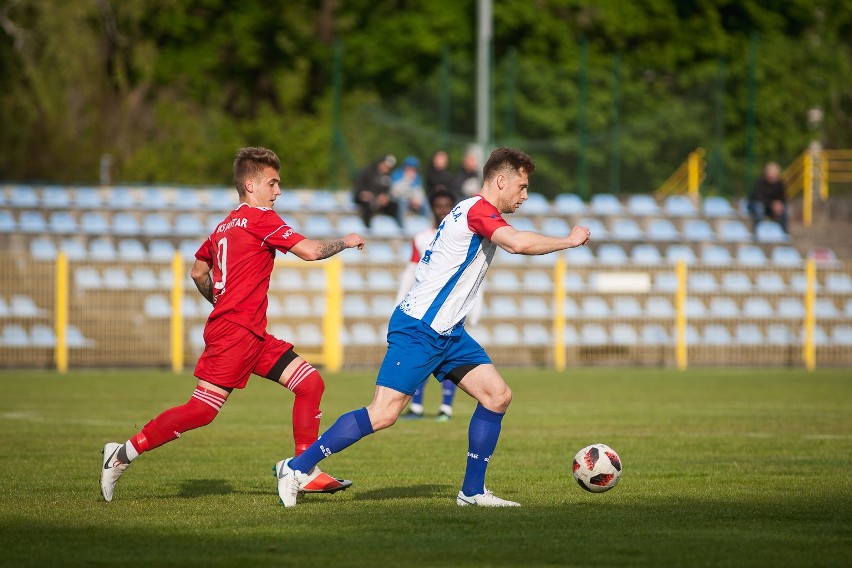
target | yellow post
x=559, y=313
x=807, y=189
x=694, y=173
x=177, y=313
x=61, y=315
x=823, y=176
x=809, y=347
x=680, y=310
x=332, y=321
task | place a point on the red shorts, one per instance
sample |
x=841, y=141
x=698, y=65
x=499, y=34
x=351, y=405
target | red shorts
x=232, y=353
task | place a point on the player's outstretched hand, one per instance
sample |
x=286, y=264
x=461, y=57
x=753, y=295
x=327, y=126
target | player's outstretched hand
x=353, y=240
x=579, y=236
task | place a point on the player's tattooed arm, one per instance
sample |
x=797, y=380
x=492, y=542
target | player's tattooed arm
x=329, y=248
x=206, y=288
x=200, y=274
x=309, y=249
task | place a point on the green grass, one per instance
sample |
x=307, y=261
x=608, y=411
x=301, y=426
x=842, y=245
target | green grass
x=721, y=468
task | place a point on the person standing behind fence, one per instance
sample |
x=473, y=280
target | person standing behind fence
x=232, y=270
x=407, y=189
x=426, y=333
x=438, y=175
x=768, y=199
x=372, y=192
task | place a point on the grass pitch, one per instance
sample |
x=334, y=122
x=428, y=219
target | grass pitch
x=721, y=468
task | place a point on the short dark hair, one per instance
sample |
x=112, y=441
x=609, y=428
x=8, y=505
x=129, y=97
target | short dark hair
x=249, y=162
x=441, y=192
x=503, y=158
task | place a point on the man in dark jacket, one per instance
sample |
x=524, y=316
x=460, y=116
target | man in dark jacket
x=372, y=192
x=768, y=199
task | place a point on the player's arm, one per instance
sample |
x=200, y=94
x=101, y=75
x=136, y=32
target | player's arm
x=530, y=243
x=311, y=249
x=200, y=274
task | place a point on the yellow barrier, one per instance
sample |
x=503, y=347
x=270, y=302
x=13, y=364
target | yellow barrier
x=809, y=345
x=61, y=323
x=559, y=318
x=177, y=332
x=687, y=177
x=680, y=314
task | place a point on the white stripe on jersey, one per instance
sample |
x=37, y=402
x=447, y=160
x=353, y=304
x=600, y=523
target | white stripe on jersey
x=450, y=273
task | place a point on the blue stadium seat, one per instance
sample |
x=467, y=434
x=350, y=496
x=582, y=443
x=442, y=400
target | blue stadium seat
x=536, y=204
x=757, y=307
x=654, y=334
x=626, y=307
x=161, y=250
x=770, y=232
x=748, y=334
x=522, y=224
x=295, y=306
x=221, y=200
x=143, y=278
x=692, y=335
x=14, y=335
x=62, y=222
x=715, y=255
x=555, y=227
x=156, y=225
x=596, y=227
x=661, y=230
x=413, y=224
x=642, y=205
x=723, y=307
x=121, y=199
x=791, y=308
x=154, y=199
x=505, y=334
x=42, y=336
x=323, y=201
x=770, y=283
x=309, y=334
x=595, y=307
x=570, y=335
x=717, y=334
x=574, y=281
x=786, y=256
x=736, y=282
x=102, y=248
x=94, y=223
x=799, y=283
x=382, y=280
x=355, y=306
x=88, y=198
x=56, y=197
x=131, y=250
x=189, y=225
x=116, y=278
x=841, y=335
x=385, y=227
x=751, y=255
x=624, y=334
x=569, y=204
x=23, y=197
x=534, y=307
x=716, y=206
x=825, y=308
x=578, y=256
x=157, y=306
x=503, y=307
x=701, y=282
x=679, y=206
x=593, y=334
x=625, y=230
x=698, y=230
x=124, y=223
x=611, y=254
x=605, y=204
x=659, y=307
x=381, y=252
x=537, y=281
x=838, y=283
x=23, y=306
x=646, y=255
x=363, y=333
x=780, y=334
x=76, y=339
x=7, y=222
x=382, y=306
x=535, y=334
x=665, y=281
x=351, y=224
x=695, y=308
x=675, y=253
x=733, y=231
x=43, y=248
x=501, y=280
x=189, y=200
x=73, y=248
x=32, y=222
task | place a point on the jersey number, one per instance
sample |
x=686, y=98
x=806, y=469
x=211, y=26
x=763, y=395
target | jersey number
x=221, y=260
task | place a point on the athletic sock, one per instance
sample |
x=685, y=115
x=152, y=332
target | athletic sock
x=199, y=411
x=417, y=400
x=308, y=386
x=482, y=435
x=448, y=392
x=347, y=430
x=127, y=453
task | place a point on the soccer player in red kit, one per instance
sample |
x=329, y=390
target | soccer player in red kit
x=232, y=270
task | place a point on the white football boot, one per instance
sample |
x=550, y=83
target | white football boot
x=111, y=470
x=290, y=481
x=486, y=499
x=317, y=481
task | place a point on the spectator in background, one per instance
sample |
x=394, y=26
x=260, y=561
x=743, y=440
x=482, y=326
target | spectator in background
x=439, y=176
x=372, y=192
x=407, y=189
x=468, y=180
x=768, y=199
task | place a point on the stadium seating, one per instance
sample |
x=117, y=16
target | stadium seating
x=642, y=205
x=661, y=230
x=569, y=204
x=55, y=197
x=770, y=232
x=715, y=206
x=679, y=206
x=646, y=255
x=605, y=204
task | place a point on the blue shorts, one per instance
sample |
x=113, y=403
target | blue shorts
x=415, y=351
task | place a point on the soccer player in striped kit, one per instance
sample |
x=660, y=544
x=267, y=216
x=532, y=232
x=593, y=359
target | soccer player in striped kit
x=232, y=270
x=426, y=332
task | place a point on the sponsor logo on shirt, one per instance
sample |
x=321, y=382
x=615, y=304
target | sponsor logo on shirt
x=240, y=222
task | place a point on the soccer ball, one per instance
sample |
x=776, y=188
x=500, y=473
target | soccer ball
x=597, y=468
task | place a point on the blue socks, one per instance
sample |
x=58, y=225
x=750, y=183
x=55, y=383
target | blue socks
x=348, y=429
x=448, y=391
x=417, y=398
x=482, y=437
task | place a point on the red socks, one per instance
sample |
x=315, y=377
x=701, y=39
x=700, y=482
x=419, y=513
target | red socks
x=201, y=409
x=308, y=386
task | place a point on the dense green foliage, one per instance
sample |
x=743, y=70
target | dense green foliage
x=170, y=88
x=721, y=468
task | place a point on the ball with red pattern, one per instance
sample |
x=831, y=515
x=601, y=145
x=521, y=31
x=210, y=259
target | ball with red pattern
x=597, y=468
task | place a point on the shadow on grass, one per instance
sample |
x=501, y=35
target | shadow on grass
x=404, y=492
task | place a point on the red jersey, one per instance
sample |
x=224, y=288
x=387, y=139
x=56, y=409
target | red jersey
x=241, y=251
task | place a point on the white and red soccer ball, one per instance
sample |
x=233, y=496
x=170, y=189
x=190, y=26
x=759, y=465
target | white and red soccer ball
x=597, y=468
